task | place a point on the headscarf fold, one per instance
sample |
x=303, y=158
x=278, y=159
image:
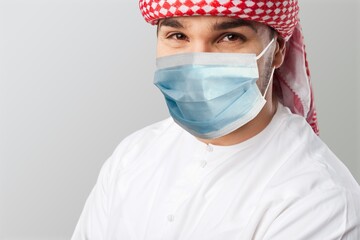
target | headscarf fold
x=292, y=80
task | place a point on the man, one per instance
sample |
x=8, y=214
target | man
x=233, y=161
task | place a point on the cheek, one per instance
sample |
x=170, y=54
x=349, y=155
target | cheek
x=261, y=67
x=163, y=49
x=265, y=70
x=159, y=49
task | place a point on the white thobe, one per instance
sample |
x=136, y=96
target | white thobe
x=162, y=183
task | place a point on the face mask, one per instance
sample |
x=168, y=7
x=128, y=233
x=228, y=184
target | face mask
x=211, y=94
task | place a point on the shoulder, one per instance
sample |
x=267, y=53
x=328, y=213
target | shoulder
x=311, y=189
x=308, y=163
x=311, y=185
x=311, y=159
x=139, y=142
x=146, y=135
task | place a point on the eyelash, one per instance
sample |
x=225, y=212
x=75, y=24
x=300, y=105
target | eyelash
x=236, y=35
x=171, y=36
x=180, y=36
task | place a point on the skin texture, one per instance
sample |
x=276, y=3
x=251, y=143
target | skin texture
x=228, y=35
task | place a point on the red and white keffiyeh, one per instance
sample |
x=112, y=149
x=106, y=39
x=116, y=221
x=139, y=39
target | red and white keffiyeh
x=292, y=79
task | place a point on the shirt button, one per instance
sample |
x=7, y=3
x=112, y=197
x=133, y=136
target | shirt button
x=203, y=164
x=171, y=218
x=209, y=148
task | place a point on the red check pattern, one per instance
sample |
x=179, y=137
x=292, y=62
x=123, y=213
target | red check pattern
x=292, y=80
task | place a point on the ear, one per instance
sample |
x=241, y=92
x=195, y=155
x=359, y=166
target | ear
x=279, y=53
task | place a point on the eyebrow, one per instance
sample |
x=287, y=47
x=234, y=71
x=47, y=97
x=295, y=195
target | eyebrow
x=233, y=24
x=170, y=22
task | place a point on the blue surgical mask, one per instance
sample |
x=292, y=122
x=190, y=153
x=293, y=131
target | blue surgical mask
x=211, y=94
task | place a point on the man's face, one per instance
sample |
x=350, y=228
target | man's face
x=216, y=34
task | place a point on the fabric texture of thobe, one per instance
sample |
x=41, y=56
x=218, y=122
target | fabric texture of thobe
x=163, y=183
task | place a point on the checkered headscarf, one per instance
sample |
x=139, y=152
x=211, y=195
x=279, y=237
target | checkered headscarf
x=292, y=80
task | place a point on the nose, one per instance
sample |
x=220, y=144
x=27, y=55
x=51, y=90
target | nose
x=201, y=46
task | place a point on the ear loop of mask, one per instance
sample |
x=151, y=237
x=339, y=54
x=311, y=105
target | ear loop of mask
x=270, y=80
x=272, y=71
x=265, y=49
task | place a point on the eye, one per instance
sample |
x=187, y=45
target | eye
x=177, y=36
x=232, y=37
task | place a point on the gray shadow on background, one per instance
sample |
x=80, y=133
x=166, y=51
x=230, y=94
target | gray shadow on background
x=76, y=78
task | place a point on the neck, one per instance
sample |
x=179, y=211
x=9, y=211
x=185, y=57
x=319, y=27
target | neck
x=249, y=130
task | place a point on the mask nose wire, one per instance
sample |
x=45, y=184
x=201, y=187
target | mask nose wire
x=265, y=49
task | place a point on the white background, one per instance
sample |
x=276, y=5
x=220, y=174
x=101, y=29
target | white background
x=76, y=78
